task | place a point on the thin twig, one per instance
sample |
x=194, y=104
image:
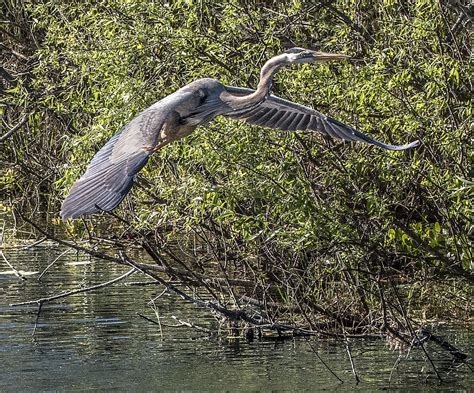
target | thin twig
x=155, y=309
x=34, y=244
x=349, y=353
x=147, y=319
x=429, y=359
x=192, y=325
x=13, y=129
x=394, y=367
x=40, y=306
x=323, y=362
x=17, y=273
x=52, y=263
x=152, y=301
x=76, y=291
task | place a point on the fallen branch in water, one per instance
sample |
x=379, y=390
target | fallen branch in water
x=323, y=362
x=258, y=304
x=15, y=271
x=193, y=326
x=75, y=291
x=51, y=264
x=349, y=353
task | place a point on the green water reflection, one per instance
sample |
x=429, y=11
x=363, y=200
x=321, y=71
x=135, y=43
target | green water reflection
x=96, y=341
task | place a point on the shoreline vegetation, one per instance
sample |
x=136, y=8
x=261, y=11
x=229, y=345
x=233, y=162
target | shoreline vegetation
x=272, y=231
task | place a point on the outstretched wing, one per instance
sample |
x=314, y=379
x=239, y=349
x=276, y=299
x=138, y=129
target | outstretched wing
x=275, y=112
x=110, y=174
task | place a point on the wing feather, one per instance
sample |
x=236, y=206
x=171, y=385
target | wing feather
x=278, y=113
x=276, y=119
x=110, y=175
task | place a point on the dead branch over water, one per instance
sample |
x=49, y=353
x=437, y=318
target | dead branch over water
x=246, y=304
x=298, y=235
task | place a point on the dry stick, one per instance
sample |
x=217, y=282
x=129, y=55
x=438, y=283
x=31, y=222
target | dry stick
x=155, y=269
x=17, y=273
x=394, y=367
x=75, y=291
x=40, y=306
x=13, y=129
x=192, y=325
x=34, y=244
x=429, y=359
x=52, y=263
x=155, y=309
x=152, y=301
x=348, y=349
x=323, y=362
x=147, y=319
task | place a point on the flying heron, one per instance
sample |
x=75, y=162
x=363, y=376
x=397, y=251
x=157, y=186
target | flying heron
x=110, y=175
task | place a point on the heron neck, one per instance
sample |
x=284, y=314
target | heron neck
x=263, y=88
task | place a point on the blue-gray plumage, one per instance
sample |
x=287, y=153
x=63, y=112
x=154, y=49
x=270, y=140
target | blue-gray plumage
x=110, y=174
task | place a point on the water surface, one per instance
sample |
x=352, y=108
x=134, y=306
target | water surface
x=96, y=341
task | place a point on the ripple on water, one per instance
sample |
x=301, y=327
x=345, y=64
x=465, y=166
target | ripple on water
x=95, y=340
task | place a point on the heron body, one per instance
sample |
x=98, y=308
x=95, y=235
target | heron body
x=110, y=175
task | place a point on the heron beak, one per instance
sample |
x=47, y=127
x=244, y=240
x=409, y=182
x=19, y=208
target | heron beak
x=323, y=56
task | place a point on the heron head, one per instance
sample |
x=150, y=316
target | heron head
x=302, y=55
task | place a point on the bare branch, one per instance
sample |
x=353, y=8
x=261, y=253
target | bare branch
x=13, y=129
x=75, y=291
x=15, y=271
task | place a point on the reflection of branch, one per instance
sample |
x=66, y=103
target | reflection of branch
x=455, y=352
x=75, y=291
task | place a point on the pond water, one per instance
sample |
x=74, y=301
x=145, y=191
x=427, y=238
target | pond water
x=97, y=341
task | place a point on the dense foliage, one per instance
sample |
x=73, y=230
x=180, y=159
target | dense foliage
x=347, y=231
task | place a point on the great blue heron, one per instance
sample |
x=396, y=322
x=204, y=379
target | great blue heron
x=110, y=174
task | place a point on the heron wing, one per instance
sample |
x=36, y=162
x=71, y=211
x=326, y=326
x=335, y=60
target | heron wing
x=281, y=114
x=110, y=175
